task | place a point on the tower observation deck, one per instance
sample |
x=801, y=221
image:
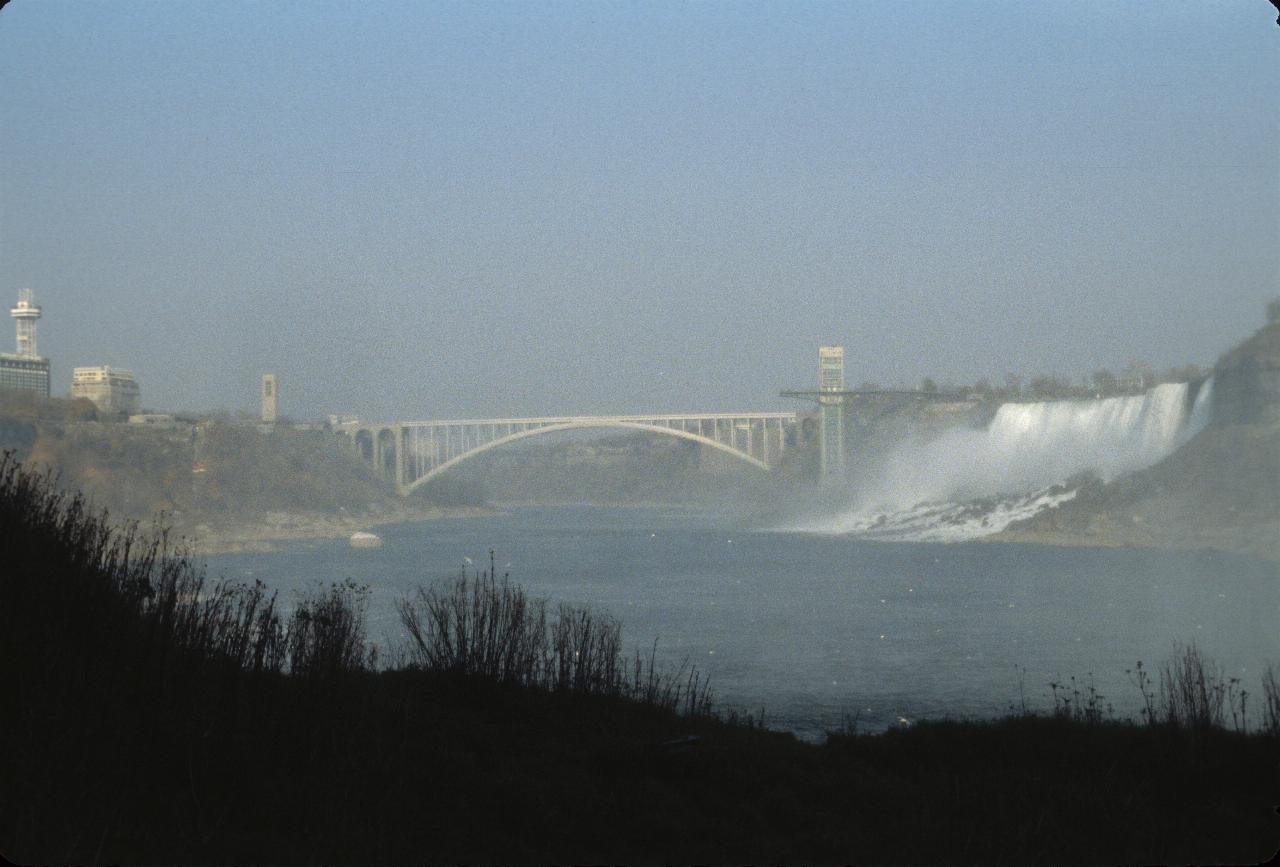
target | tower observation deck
x=25, y=370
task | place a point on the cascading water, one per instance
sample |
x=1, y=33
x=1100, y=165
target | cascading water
x=967, y=483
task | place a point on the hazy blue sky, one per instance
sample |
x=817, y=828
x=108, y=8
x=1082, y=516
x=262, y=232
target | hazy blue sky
x=428, y=210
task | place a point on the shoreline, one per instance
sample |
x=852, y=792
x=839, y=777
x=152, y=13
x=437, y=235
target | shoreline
x=264, y=534
x=1239, y=542
x=261, y=536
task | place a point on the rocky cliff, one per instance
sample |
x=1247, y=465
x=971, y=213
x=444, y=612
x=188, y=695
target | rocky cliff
x=1220, y=490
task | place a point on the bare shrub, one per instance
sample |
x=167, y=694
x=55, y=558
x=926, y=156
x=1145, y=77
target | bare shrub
x=326, y=633
x=1141, y=678
x=480, y=626
x=1080, y=702
x=586, y=652
x=477, y=624
x=1195, y=693
x=1271, y=702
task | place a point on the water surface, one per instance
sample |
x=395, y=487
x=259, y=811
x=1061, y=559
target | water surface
x=814, y=628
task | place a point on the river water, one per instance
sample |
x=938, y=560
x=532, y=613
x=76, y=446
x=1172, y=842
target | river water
x=816, y=628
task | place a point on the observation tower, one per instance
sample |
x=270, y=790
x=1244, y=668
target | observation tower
x=26, y=313
x=24, y=369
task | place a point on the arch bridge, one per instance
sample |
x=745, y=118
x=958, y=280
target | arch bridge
x=411, y=453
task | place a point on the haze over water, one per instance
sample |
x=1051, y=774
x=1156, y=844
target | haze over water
x=812, y=628
x=413, y=211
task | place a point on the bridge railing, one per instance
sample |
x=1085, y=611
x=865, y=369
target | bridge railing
x=410, y=452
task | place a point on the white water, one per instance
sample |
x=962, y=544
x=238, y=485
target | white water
x=968, y=483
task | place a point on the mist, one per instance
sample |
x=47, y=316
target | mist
x=475, y=432
x=918, y=490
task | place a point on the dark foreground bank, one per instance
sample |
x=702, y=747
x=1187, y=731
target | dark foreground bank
x=150, y=715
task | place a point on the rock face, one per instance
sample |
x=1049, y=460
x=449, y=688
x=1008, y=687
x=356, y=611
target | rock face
x=1246, y=381
x=1220, y=490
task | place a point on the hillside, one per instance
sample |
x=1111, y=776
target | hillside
x=224, y=481
x=1220, y=490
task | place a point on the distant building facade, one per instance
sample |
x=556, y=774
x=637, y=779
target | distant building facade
x=154, y=419
x=269, y=395
x=24, y=369
x=24, y=374
x=112, y=390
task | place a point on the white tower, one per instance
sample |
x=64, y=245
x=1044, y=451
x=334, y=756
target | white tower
x=831, y=418
x=269, y=397
x=26, y=313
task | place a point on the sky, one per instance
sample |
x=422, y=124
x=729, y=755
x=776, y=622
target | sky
x=436, y=210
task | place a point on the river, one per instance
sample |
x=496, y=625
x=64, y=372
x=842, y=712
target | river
x=815, y=629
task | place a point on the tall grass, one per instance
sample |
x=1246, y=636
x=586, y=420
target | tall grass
x=482, y=625
x=153, y=715
x=124, y=583
x=150, y=708
x=327, y=635
x=120, y=585
x=1191, y=691
x=1271, y=702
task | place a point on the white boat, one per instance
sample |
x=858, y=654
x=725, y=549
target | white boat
x=365, y=540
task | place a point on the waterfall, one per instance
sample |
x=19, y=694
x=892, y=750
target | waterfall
x=1035, y=444
x=970, y=482
x=1201, y=410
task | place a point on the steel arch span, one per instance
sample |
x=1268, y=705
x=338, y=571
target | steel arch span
x=411, y=453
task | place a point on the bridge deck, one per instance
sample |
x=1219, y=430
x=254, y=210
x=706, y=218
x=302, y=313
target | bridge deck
x=411, y=452
x=567, y=419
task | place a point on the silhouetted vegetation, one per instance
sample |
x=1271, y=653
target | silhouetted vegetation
x=482, y=626
x=154, y=714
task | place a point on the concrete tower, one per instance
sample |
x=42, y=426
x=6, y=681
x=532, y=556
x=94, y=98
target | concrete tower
x=26, y=314
x=269, y=395
x=25, y=370
x=831, y=413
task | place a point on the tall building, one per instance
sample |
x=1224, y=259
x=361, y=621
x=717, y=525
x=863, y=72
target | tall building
x=111, y=389
x=25, y=369
x=831, y=413
x=269, y=395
